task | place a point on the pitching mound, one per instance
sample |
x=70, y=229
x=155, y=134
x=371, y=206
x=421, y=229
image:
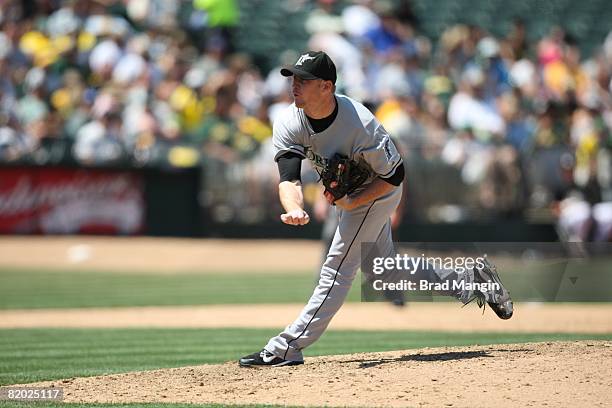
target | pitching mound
x=533, y=374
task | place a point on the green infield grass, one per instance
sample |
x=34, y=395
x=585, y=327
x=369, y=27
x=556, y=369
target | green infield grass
x=31, y=289
x=29, y=355
x=25, y=289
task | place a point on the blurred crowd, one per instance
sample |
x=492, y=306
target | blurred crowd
x=522, y=124
x=144, y=81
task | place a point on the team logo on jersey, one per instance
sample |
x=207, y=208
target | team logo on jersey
x=317, y=161
x=303, y=58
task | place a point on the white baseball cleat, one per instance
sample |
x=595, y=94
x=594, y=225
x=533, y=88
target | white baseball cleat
x=498, y=297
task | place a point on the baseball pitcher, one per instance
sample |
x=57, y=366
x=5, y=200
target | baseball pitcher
x=362, y=172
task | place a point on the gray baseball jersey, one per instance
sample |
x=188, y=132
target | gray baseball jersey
x=356, y=133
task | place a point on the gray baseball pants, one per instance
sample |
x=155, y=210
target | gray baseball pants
x=369, y=223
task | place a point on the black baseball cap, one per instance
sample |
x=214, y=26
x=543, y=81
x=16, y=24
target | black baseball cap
x=312, y=65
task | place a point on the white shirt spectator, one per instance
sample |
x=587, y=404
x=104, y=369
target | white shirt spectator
x=358, y=20
x=92, y=144
x=466, y=111
x=62, y=22
x=129, y=68
x=104, y=56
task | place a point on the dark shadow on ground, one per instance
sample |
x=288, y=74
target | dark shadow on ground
x=448, y=356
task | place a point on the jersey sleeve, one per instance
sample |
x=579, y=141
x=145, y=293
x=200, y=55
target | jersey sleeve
x=381, y=153
x=286, y=139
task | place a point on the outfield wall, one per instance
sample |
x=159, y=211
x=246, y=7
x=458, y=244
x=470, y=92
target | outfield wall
x=172, y=202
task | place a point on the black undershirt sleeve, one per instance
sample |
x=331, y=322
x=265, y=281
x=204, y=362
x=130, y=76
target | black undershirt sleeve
x=397, y=177
x=290, y=166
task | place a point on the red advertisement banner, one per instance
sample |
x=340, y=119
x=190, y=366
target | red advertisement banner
x=70, y=201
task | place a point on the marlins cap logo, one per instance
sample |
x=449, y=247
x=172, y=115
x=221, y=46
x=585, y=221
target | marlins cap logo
x=303, y=58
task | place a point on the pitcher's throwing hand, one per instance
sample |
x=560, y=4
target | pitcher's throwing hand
x=295, y=217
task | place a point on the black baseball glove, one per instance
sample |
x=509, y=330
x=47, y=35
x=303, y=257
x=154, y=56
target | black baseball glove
x=341, y=176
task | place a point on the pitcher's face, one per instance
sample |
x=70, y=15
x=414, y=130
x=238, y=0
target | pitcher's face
x=306, y=91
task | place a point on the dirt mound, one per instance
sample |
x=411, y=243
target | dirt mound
x=533, y=374
x=159, y=255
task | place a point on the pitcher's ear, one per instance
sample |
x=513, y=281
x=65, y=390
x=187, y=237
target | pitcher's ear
x=328, y=85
